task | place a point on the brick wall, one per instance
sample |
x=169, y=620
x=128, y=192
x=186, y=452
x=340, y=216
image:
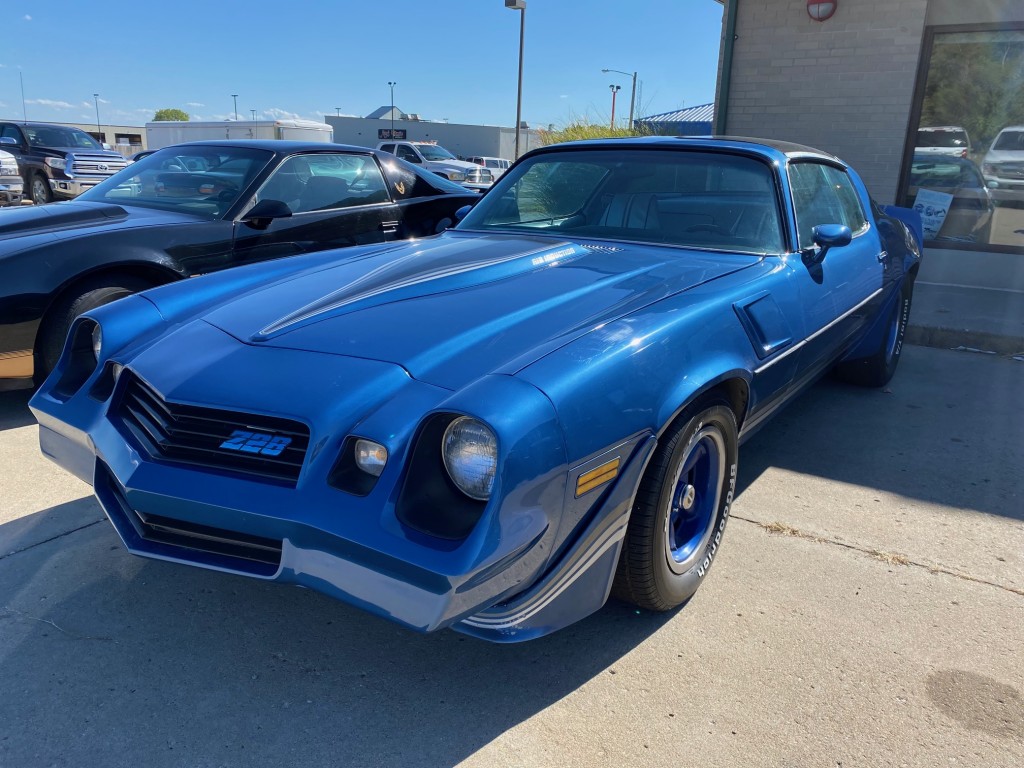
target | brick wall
x=844, y=85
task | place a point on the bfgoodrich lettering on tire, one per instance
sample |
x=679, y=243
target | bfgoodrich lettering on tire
x=681, y=510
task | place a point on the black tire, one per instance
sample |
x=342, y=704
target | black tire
x=654, y=572
x=39, y=190
x=55, y=326
x=876, y=370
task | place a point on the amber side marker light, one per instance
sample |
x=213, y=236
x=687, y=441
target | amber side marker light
x=589, y=480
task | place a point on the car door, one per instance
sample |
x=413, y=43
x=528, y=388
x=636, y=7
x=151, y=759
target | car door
x=842, y=290
x=336, y=199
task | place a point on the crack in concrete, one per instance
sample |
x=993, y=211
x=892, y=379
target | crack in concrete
x=891, y=558
x=52, y=538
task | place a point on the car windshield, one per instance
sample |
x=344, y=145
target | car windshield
x=941, y=138
x=927, y=171
x=201, y=180
x=58, y=136
x=699, y=199
x=434, y=152
x=1010, y=141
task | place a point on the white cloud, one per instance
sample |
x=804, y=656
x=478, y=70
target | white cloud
x=279, y=114
x=2, y=105
x=27, y=17
x=564, y=96
x=194, y=104
x=52, y=103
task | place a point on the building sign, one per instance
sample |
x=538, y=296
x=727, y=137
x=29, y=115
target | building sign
x=397, y=134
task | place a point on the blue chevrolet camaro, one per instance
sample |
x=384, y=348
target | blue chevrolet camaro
x=495, y=428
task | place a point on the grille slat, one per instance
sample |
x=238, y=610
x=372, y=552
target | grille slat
x=194, y=436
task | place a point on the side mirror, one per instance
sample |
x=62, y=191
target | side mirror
x=264, y=212
x=827, y=236
x=461, y=213
x=8, y=140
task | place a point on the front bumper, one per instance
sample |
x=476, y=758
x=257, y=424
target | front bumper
x=74, y=187
x=11, y=190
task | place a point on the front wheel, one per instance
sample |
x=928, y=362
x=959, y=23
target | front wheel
x=680, y=511
x=40, y=190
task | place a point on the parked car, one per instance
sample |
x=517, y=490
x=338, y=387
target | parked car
x=58, y=161
x=437, y=159
x=943, y=140
x=192, y=209
x=491, y=429
x=969, y=215
x=1003, y=165
x=11, y=186
x=496, y=165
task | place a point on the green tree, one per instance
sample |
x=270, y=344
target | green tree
x=170, y=114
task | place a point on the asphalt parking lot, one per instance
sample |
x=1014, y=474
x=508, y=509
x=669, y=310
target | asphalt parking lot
x=867, y=609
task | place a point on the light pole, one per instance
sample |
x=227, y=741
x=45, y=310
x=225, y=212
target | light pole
x=338, y=111
x=235, y=97
x=519, y=5
x=391, y=85
x=253, y=113
x=615, y=90
x=96, y=101
x=632, y=96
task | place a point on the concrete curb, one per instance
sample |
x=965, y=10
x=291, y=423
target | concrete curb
x=951, y=338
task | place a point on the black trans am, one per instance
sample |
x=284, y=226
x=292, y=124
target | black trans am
x=191, y=209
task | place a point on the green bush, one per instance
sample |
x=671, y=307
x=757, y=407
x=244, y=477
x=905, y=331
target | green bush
x=582, y=129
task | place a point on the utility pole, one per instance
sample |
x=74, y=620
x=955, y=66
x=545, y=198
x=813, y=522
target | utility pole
x=235, y=97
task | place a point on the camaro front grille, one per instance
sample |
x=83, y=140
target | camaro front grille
x=263, y=447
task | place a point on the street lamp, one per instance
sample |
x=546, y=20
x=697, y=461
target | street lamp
x=253, y=112
x=615, y=90
x=338, y=110
x=235, y=97
x=632, y=96
x=96, y=101
x=519, y=5
x=392, y=85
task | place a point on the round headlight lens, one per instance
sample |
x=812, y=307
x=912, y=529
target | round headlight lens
x=97, y=340
x=470, y=452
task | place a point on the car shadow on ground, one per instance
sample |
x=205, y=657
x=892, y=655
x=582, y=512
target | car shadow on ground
x=14, y=410
x=192, y=667
x=946, y=430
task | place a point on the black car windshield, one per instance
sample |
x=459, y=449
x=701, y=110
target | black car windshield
x=434, y=152
x=197, y=179
x=699, y=199
x=939, y=171
x=1010, y=140
x=58, y=136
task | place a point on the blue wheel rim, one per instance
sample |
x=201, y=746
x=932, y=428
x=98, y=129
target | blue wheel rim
x=696, y=494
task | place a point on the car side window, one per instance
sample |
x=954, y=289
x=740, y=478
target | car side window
x=815, y=200
x=404, y=153
x=849, y=202
x=325, y=181
x=12, y=132
x=389, y=148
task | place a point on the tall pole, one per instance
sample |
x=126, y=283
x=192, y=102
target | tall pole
x=253, y=113
x=338, y=111
x=96, y=101
x=615, y=90
x=632, y=102
x=235, y=97
x=392, y=85
x=519, y=94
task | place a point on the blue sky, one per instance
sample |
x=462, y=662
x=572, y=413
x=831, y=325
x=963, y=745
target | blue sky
x=452, y=59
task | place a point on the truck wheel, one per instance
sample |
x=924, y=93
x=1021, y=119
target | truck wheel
x=40, y=190
x=876, y=370
x=680, y=510
x=57, y=323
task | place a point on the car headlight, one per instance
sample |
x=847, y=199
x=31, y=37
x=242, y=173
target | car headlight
x=56, y=162
x=97, y=341
x=371, y=457
x=456, y=176
x=8, y=169
x=470, y=452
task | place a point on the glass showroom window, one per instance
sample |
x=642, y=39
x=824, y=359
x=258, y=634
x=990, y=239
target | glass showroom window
x=966, y=171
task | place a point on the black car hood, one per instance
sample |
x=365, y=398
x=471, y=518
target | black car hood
x=72, y=217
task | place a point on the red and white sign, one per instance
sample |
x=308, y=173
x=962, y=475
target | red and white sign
x=820, y=10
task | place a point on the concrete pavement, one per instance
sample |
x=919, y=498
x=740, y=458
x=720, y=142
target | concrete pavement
x=867, y=609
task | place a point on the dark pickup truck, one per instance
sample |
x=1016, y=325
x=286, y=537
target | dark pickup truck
x=57, y=161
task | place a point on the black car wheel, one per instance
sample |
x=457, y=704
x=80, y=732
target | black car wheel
x=85, y=297
x=680, y=511
x=876, y=370
x=40, y=190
